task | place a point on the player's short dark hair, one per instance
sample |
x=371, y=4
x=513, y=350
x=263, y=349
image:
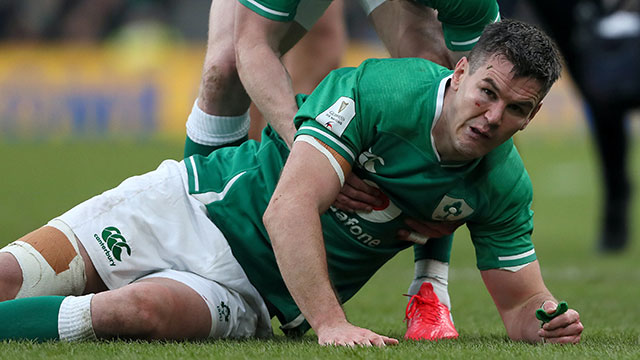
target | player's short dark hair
x=532, y=53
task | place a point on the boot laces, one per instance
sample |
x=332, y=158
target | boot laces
x=416, y=303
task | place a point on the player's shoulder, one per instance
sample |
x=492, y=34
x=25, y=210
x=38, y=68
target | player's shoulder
x=503, y=171
x=403, y=65
x=401, y=75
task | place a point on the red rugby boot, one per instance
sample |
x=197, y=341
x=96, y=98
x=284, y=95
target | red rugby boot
x=427, y=318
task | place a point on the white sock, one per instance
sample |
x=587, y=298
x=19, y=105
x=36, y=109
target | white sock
x=435, y=272
x=214, y=130
x=74, y=319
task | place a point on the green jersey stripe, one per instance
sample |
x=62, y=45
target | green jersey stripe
x=192, y=170
x=212, y=196
x=438, y=111
x=517, y=256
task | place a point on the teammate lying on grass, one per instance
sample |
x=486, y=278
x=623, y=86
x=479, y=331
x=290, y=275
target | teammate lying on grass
x=182, y=252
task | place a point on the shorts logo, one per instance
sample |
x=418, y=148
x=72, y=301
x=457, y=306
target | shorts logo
x=113, y=244
x=223, y=311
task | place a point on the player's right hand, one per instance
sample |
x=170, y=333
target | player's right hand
x=346, y=334
x=358, y=195
x=563, y=329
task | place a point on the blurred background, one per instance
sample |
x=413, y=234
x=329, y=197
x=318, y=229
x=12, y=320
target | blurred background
x=131, y=67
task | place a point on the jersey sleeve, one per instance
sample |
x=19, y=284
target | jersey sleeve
x=502, y=239
x=464, y=20
x=333, y=114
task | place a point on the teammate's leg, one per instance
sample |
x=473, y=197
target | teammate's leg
x=220, y=114
x=408, y=29
x=312, y=58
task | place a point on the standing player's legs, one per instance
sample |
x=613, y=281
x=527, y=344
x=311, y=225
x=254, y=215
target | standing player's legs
x=220, y=114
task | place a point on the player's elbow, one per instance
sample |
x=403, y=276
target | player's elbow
x=273, y=215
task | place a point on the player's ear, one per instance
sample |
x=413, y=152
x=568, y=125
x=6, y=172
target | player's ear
x=462, y=67
x=533, y=113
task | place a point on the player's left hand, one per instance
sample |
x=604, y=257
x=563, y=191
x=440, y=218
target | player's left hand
x=358, y=195
x=421, y=231
x=563, y=329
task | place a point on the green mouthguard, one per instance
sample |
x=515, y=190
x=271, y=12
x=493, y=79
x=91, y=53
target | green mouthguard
x=545, y=317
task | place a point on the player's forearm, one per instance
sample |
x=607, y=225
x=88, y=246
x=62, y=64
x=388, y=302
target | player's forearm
x=296, y=237
x=517, y=296
x=267, y=83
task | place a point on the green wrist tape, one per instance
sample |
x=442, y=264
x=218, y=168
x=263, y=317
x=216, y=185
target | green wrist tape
x=545, y=317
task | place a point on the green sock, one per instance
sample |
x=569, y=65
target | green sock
x=193, y=148
x=33, y=318
x=436, y=249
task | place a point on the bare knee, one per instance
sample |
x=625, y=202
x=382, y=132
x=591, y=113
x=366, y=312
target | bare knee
x=10, y=277
x=140, y=310
x=151, y=309
x=221, y=91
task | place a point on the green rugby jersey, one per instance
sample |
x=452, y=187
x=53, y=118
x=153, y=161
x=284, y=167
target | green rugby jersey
x=462, y=20
x=379, y=117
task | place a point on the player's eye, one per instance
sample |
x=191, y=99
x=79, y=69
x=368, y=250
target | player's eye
x=490, y=94
x=516, y=109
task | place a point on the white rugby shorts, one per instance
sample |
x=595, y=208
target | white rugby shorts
x=149, y=226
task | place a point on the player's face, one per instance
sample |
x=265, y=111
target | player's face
x=490, y=106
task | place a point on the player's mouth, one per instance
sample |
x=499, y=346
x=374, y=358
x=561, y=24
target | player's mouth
x=478, y=133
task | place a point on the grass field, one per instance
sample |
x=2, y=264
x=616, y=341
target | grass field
x=41, y=180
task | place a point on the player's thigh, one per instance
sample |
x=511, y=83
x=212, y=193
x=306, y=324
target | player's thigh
x=408, y=29
x=320, y=50
x=157, y=308
x=221, y=23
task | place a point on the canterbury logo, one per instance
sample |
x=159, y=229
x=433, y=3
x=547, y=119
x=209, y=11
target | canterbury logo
x=115, y=242
x=223, y=312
